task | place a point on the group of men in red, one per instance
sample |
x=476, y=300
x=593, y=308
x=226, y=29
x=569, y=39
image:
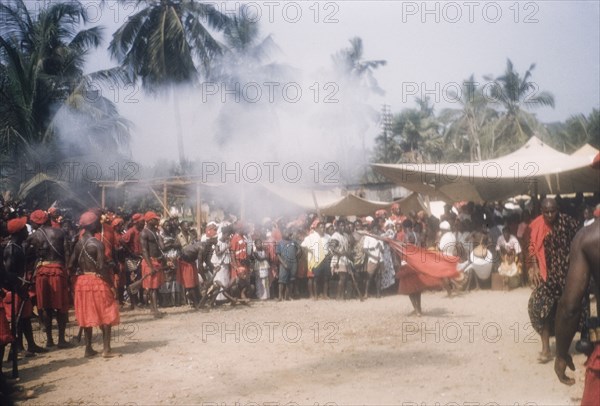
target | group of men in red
x=45, y=267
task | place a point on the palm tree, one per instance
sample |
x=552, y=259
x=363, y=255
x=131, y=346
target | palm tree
x=350, y=62
x=415, y=136
x=41, y=73
x=466, y=125
x=355, y=77
x=168, y=43
x=247, y=59
x=575, y=132
x=511, y=92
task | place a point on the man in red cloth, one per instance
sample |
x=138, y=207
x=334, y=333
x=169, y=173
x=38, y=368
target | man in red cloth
x=584, y=263
x=130, y=241
x=14, y=268
x=107, y=236
x=118, y=251
x=397, y=216
x=153, y=260
x=550, y=242
x=187, y=271
x=95, y=304
x=421, y=270
x=51, y=280
x=238, y=247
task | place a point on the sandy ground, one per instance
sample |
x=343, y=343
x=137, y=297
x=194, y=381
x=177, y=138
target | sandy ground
x=473, y=349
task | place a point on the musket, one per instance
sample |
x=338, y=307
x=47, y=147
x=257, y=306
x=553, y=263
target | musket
x=354, y=283
x=15, y=367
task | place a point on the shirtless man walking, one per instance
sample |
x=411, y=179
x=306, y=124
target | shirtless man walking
x=95, y=304
x=14, y=268
x=51, y=281
x=153, y=260
x=584, y=263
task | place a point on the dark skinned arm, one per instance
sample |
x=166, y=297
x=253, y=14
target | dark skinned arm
x=569, y=308
x=72, y=265
x=145, y=252
x=10, y=278
x=102, y=265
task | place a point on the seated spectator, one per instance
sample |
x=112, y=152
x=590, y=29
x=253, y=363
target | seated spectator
x=481, y=260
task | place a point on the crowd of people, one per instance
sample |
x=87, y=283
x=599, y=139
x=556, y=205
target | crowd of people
x=103, y=262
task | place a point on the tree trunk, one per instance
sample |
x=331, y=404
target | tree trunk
x=178, y=130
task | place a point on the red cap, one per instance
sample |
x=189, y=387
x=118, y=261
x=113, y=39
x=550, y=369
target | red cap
x=150, y=215
x=16, y=225
x=87, y=218
x=116, y=221
x=39, y=217
x=597, y=213
x=137, y=217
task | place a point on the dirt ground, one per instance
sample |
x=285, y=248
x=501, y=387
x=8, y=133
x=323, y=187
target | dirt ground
x=474, y=349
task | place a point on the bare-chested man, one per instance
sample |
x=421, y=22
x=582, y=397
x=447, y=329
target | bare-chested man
x=50, y=248
x=584, y=262
x=130, y=241
x=191, y=254
x=14, y=268
x=153, y=260
x=95, y=304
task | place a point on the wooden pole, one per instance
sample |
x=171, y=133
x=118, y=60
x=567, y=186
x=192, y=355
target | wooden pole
x=158, y=198
x=315, y=202
x=103, y=199
x=165, y=210
x=198, y=209
x=243, y=204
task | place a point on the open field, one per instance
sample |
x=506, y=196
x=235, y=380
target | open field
x=477, y=348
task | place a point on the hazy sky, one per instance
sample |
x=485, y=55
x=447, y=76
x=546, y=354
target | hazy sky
x=430, y=47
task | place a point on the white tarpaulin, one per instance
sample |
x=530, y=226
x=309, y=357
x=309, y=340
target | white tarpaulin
x=334, y=202
x=533, y=167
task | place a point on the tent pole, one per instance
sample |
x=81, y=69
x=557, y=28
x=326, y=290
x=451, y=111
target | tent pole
x=103, y=198
x=243, y=204
x=165, y=211
x=315, y=202
x=198, y=209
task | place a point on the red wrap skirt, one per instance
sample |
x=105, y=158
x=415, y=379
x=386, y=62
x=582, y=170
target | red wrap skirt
x=5, y=332
x=411, y=281
x=95, y=304
x=591, y=390
x=154, y=281
x=52, y=287
x=187, y=274
x=27, y=307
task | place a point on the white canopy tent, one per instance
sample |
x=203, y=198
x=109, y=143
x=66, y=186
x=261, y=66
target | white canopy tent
x=533, y=168
x=337, y=202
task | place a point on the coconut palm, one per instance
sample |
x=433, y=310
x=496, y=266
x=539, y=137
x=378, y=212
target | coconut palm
x=45, y=97
x=466, y=125
x=41, y=73
x=354, y=78
x=351, y=63
x=575, y=132
x=513, y=93
x=167, y=43
x=248, y=58
x=415, y=136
